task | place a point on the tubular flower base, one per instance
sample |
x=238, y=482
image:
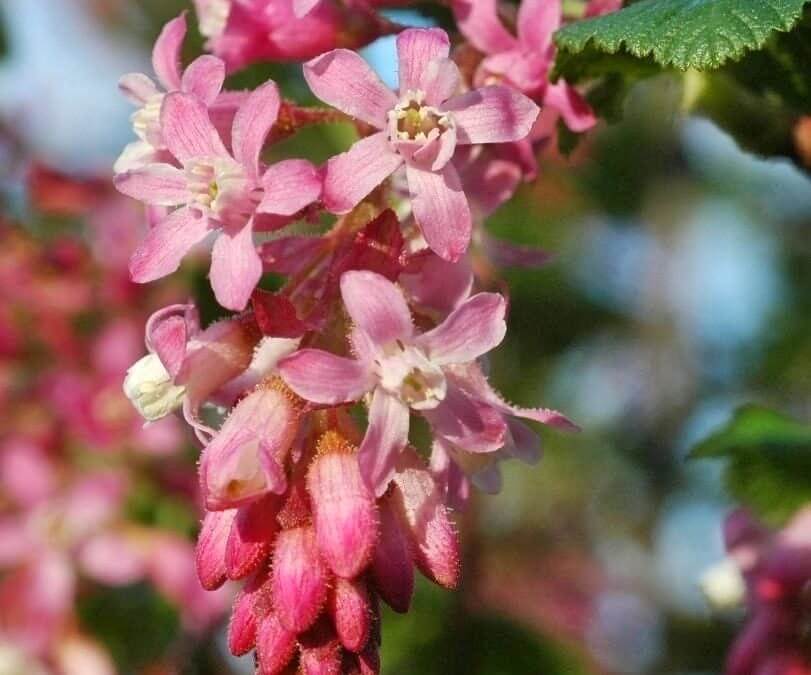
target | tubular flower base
x=318, y=557
x=386, y=312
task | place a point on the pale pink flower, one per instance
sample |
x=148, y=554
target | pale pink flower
x=203, y=78
x=215, y=190
x=524, y=60
x=420, y=128
x=401, y=370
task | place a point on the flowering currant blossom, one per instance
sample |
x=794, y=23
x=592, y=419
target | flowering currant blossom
x=524, y=60
x=403, y=370
x=419, y=128
x=203, y=78
x=214, y=190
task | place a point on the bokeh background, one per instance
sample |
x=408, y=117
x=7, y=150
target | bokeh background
x=677, y=292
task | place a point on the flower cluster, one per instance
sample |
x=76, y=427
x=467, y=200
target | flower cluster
x=320, y=494
x=72, y=450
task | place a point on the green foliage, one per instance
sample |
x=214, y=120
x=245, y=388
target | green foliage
x=768, y=461
x=700, y=34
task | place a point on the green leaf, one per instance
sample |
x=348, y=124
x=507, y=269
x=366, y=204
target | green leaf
x=699, y=34
x=769, y=461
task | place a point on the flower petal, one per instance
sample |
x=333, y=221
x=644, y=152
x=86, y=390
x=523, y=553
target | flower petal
x=435, y=285
x=495, y=114
x=376, y=306
x=289, y=186
x=385, y=438
x=158, y=184
x=441, y=210
x=187, y=129
x=304, y=7
x=165, y=245
x=204, y=78
x=353, y=174
x=344, y=80
x=137, y=87
x=166, y=53
x=472, y=329
x=253, y=121
x=324, y=378
x=537, y=22
x=479, y=22
x=466, y=423
x=576, y=113
x=440, y=81
x=416, y=48
x=235, y=268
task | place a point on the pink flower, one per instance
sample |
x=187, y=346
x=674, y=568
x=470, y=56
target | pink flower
x=203, y=78
x=600, y=7
x=419, y=128
x=524, y=60
x=215, y=190
x=402, y=370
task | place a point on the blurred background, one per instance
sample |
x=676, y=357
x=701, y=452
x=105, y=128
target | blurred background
x=676, y=293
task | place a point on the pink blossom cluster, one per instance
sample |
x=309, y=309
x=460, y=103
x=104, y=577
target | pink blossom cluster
x=71, y=446
x=308, y=400
x=776, y=568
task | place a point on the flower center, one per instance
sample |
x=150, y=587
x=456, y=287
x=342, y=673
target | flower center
x=411, y=120
x=146, y=120
x=220, y=187
x=407, y=373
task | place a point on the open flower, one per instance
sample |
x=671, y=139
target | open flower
x=204, y=78
x=420, y=128
x=402, y=371
x=525, y=59
x=215, y=190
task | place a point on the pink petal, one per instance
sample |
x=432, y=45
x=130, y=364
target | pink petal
x=376, y=306
x=449, y=477
x=169, y=339
x=137, y=87
x=235, y=268
x=471, y=330
x=440, y=81
x=251, y=537
x=386, y=436
x=524, y=444
x=299, y=579
x=489, y=183
x=479, y=22
x=211, y=543
x=187, y=129
x=467, y=423
x=416, y=48
x=419, y=502
x=345, y=81
x=289, y=186
x=166, y=53
x=441, y=210
x=494, y=114
x=391, y=568
x=435, y=285
x=204, y=78
x=253, y=121
x=275, y=645
x=166, y=244
x=351, y=610
x=304, y=7
x=158, y=184
x=324, y=378
x=242, y=462
x=576, y=113
x=537, y=22
x=344, y=512
x=353, y=174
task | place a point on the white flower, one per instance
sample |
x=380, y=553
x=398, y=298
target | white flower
x=151, y=390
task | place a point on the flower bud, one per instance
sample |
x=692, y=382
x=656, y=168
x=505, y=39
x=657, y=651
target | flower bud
x=418, y=499
x=211, y=545
x=151, y=390
x=392, y=569
x=320, y=651
x=251, y=537
x=299, y=581
x=275, y=645
x=351, y=613
x=344, y=511
x=246, y=615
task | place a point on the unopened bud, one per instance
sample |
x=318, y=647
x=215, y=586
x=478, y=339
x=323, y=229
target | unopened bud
x=151, y=390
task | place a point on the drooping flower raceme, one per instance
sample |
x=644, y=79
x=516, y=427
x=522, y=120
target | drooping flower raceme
x=215, y=190
x=420, y=128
